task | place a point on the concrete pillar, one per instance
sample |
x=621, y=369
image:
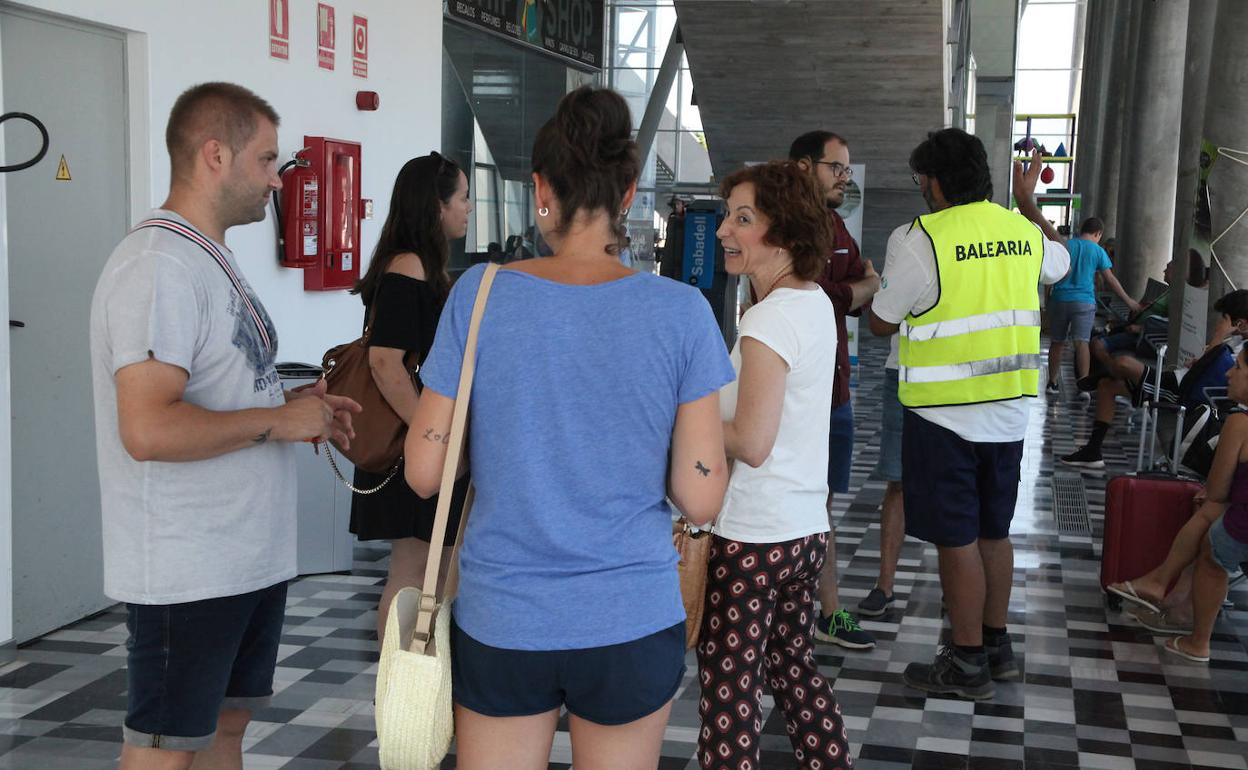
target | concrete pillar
x=1126, y=82
x=1201, y=17
x=1226, y=114
x=1094, y=93
x=1106, y=205
x=1151, y=152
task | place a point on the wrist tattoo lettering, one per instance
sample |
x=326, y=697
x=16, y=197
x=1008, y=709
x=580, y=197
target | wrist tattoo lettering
x=437, y=438
x=261, y=438
x=700, y=468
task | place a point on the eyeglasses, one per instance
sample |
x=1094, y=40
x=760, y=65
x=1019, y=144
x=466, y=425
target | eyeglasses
x=915, y=176
x=838, y=169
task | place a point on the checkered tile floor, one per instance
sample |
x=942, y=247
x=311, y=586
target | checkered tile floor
x=1098, y=692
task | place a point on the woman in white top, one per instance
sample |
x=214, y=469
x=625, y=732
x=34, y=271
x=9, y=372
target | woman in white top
x=771, y=536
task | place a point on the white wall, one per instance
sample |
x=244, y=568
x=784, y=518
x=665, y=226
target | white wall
x=182, y=43
x=174, y=44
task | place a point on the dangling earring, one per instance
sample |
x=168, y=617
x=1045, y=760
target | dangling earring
x=543, y=212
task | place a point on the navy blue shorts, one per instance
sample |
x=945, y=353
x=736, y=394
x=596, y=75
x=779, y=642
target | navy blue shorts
x=611, y=685
x=1120, y=342
x=840, y=447
x=187, y=662
x=957, y=491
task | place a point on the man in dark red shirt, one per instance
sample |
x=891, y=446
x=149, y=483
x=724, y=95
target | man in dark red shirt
x=850, y=282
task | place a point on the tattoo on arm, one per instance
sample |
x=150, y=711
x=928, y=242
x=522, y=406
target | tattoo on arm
x=261, y=438
x=437, y=438
x=705, y=471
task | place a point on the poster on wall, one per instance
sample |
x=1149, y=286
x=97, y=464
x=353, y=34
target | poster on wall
x=324, y=36
x=571, y=29
x=1195, y=268
x=279, y=29
x=359, y=46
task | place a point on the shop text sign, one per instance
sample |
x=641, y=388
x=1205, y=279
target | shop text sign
x=359, y=46
x=572, y=29
x=325, y=36
x=279, y=29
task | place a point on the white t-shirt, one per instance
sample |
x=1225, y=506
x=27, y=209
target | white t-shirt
x=890, y=251
x=184, y=531
x=910, y=284
x=785, y=497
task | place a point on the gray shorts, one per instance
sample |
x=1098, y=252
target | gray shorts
x=1071, y=321
x=888, y=467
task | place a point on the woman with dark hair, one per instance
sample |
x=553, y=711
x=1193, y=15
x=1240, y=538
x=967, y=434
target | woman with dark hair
x=403, y=292
x=771, y=537
x=568, y=592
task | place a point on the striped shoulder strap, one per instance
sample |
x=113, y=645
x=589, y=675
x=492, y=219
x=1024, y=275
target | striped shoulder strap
x=194, y=236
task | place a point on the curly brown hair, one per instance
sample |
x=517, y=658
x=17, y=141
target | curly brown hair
x=791, y=200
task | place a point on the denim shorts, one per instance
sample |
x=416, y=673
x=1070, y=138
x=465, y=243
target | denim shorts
x=1071, y=321
x=611, y=685
x=888, y=467
x=186, y=662
x=957, y=491
x=840, y=447
x=1228, y=553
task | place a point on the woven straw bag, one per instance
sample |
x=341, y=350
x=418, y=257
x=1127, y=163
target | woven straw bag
x=694, y=548
x=414, y=712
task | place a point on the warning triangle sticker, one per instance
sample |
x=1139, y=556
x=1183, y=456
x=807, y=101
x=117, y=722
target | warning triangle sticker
x=62, y=171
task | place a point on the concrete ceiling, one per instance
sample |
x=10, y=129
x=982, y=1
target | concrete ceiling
x=765, y=71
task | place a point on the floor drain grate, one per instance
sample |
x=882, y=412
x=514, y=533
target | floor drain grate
x=1070, y=504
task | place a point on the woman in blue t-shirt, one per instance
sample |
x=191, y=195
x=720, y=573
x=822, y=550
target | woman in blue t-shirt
x=588, y=376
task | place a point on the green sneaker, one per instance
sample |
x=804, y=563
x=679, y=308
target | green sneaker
x=841, y=628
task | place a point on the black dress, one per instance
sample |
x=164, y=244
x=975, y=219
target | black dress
x=407, y=318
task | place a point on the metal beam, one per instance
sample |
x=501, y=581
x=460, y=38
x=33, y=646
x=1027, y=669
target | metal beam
x=658, y=97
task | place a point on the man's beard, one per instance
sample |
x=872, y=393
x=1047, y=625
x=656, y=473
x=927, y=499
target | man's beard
x=238, y=209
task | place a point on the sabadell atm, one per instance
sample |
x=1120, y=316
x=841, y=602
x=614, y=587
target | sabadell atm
x=697, y=258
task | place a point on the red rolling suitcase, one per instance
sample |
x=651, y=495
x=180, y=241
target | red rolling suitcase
x=1144, y=511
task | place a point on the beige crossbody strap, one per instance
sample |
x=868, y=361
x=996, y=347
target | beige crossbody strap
x=450, y=468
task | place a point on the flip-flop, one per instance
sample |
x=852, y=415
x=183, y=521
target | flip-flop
x=1128, y=592
x=1172, y=646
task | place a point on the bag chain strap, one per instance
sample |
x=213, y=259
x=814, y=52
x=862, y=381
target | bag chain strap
x=329, y=455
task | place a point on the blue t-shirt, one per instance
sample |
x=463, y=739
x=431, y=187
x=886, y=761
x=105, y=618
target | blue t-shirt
x=569, y=544
x=1086, y=259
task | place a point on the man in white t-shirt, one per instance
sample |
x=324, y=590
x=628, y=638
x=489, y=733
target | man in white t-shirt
x=193, y=434
x=961, y=285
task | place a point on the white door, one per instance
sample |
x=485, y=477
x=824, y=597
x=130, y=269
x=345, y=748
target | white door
x=72, y=77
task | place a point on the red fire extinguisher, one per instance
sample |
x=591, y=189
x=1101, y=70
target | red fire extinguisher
x=299, y=240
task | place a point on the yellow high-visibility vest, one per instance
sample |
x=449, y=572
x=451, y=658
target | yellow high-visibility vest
x=980, y=342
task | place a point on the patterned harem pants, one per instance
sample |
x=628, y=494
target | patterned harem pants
x=759, y=618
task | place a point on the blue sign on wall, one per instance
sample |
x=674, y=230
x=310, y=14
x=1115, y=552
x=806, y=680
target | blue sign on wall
x=700, y=244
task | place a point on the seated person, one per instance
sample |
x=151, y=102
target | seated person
x=1214, y=542
x=1131, y=377
x=1125, y=338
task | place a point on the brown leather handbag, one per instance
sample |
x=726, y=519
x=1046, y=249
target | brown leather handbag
x=379, y=431
x=694, y=548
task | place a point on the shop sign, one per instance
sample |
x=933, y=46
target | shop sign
x=571, y=29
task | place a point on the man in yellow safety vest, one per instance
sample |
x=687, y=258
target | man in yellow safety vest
x=961, y=286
